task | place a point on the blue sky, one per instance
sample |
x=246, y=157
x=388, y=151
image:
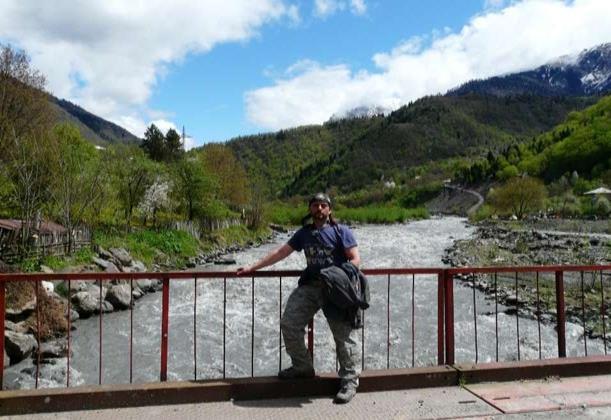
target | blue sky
x=224, y=68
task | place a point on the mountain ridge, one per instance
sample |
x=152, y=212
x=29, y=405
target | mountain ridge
x=95, y=129
x=584, y=74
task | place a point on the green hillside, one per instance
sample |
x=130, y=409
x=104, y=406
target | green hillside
x=580, y=144
x=95, y=129
x=353, y=154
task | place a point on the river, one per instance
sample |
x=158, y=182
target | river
x=416, y=244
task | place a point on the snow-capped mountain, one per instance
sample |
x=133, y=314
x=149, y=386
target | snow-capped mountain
x=583, y=74
x=361, y=112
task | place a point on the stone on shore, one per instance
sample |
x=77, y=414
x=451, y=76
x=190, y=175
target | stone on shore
x=119, y=296
x=52, y=350
x=146, y=285
x=102, y=263
x=121, y=255
x=85, y=304
x=18, y=346
x=21, y=313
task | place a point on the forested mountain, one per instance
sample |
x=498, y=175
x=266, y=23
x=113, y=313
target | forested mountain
x=93, y=128
x=588, y=73
x=581, y=144
x=354, y=153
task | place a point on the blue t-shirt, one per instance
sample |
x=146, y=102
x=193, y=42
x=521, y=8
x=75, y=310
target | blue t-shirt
x=322, y=246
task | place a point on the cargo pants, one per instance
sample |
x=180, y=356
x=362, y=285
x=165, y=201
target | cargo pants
x=302, y=305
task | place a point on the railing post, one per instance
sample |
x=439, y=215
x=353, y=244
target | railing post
x=2, y=310
x=311, y=338
x=449, y=316
x=165, y=307
x=560, y=316
x=440, y=319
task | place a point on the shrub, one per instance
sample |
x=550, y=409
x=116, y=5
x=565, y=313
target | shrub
x=602, y=207
x=519, y=196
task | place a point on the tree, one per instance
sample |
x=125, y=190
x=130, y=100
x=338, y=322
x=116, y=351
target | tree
x=24, y=109
x=520, y=196
x=156, y=198
x=133, y=173
x=29, y=175
x=154, y=143
x=219, y=160
x=173, y=145
x=193, y=186
x=77, y=183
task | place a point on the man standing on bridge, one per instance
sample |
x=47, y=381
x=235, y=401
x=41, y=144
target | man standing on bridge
x=325, y=244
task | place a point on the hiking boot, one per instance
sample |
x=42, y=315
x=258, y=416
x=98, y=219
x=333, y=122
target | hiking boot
x=293, y=373
x=345, y=394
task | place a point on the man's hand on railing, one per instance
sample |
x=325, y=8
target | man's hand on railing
x=244, y=270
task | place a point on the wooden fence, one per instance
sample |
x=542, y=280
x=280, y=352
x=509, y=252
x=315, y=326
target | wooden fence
x=41, y=244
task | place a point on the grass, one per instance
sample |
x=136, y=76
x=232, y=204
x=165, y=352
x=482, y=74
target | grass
x=234, y=235
x=149, y=246
x=55, y=262
x=286, y=215
x=291, y=216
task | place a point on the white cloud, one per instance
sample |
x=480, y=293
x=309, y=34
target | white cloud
x=107, y=56
x=325, y=8
x=521, y=36
x=358, y=7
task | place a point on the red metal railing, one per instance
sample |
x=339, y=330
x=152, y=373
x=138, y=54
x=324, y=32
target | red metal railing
x=559, y=283
x=446, y=279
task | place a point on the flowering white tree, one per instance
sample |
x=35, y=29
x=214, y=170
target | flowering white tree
x=156, y=197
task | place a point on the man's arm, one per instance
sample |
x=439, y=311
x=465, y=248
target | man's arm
x=352, y=254
x=271, y=258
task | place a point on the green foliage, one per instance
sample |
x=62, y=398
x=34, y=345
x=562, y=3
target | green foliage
x=602, y=207
x=356, y=154
x=519, y=196
x=581, y=144
x=145, y=245
x=216, y=209
x=284, y=214
x=173, y=145
x=484, y=212
x=82, y=256
x=220, y=161
x=194, y=188
x=508, y=172
x=419, y=195
x=132, y=174
x=565, y=205
x=162, y=148
x=77, y=185
x=235, y=235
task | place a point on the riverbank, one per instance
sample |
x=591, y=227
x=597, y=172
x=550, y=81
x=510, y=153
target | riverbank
x=112, y=253
x=503, y=243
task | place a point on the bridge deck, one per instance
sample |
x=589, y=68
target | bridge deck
x=588, y=396
x=430, y=392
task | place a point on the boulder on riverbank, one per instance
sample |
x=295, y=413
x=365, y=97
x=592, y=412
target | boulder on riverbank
x=18, y=346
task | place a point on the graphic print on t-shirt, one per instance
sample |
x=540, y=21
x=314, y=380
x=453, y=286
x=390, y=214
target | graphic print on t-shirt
x=318, y=256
